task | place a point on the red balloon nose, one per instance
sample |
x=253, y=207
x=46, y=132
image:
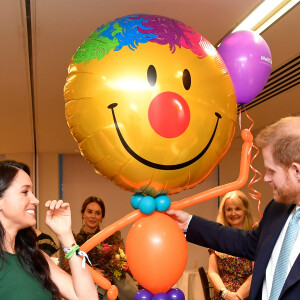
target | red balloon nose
x=169, y=114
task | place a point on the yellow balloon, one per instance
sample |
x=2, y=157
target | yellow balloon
x=152, y=117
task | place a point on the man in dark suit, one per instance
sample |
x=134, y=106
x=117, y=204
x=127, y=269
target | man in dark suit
x=276, y=272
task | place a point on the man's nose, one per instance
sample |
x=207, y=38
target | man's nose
x=267, y=178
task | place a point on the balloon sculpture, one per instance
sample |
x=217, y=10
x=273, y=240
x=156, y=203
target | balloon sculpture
x=152, y=107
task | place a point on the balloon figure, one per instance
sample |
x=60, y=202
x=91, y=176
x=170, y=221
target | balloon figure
x=152, y=107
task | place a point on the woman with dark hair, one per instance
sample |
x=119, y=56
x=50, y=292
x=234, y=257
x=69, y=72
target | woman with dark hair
x=25, y=271
x=93, y=212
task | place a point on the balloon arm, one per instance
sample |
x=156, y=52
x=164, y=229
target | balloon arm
x=100, y=280
x=223, y=189
x=112, y=291
x=109, y=230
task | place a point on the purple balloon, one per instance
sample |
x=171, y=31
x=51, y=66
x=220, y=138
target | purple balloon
x=176, y=294
x=143, y=295
x=248, y=59
x=161, y=296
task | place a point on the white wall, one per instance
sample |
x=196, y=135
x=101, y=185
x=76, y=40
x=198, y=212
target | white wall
x=48, y=186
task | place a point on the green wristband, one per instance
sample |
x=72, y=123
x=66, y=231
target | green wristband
x=72, y=251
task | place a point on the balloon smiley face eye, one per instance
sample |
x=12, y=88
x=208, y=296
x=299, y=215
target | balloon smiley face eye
x=151, y=75
x=186, y=79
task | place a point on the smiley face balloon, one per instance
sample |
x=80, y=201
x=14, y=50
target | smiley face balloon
x=150, y=103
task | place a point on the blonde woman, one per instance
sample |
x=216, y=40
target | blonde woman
x=231, y=276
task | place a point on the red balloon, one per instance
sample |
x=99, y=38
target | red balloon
x=156, y=251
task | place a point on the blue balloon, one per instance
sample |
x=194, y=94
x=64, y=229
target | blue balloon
x=147, y=205
x=135, y=200
x=143, y=295
x=163, y=203
x=161, y=296
x=176, y=294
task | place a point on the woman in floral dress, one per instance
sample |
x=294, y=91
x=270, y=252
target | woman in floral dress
x=93, y=212
x=103, y=256
x=231, y=276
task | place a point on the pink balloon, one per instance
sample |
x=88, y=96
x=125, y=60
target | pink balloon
x=248, y=59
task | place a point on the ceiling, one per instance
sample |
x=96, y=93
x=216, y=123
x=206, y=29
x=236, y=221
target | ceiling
x=35, y=57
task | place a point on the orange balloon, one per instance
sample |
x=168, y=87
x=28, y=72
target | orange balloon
x=156, y=252
x=99, y=279
x=112, y=293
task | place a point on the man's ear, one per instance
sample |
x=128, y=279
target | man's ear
x=296, y=170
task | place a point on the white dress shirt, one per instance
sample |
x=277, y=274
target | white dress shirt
x=267, y=285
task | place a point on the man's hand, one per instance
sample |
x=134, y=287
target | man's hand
x=181, y=217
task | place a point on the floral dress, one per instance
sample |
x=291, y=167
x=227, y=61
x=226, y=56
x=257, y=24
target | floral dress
x=98, y=257
x=233, y=271
x=103, y=257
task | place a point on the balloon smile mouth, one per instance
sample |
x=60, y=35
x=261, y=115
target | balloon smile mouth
x=155, y=165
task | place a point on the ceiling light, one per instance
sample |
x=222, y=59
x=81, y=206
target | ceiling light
x=266, y=14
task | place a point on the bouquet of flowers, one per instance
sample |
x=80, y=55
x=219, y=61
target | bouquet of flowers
x=113, y=260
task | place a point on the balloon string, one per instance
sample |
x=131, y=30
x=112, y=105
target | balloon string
x=240, y=117
x=250, y=120
x=256, y=177
x=253, y=193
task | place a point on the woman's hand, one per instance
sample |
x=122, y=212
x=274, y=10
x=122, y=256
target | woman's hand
x=58, y=217
x=232, y=296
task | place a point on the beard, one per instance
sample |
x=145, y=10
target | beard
x=288, y=193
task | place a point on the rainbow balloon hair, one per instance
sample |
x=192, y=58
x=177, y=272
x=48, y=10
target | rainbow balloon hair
x=138, y=29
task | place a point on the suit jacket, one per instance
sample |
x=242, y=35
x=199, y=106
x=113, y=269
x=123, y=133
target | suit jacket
x=256, y=245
